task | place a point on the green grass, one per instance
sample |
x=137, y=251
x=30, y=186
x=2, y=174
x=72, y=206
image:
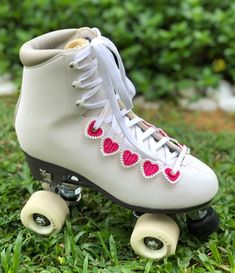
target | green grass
x=96, y=235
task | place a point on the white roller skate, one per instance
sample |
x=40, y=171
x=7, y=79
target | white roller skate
x=75, y=125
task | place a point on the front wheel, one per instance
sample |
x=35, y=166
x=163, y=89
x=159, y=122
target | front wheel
x=155, y=236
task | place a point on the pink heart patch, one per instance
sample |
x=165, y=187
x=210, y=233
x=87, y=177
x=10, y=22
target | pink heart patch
x=110, y=147
x=150, y=169
x=92, y=133
x=163, y=133
x=129, y=158
x=172, y=178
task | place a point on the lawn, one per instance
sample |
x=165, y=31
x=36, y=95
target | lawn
x=96, y=235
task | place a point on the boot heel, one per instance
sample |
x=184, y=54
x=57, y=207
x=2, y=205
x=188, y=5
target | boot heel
x=46, y=172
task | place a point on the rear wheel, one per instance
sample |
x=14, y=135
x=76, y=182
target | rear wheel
x=45, y=212
x=203, y=222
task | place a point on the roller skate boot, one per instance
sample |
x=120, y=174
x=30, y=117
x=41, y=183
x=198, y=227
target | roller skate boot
x=75, y=124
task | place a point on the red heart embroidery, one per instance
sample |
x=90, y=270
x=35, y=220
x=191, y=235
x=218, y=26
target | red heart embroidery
x=150, y=169
x=92, y=133
x=163, y=133
x=110, y=147
x=129, y=159
x=172, y=178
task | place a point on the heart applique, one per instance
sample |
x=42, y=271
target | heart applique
x=161, y=132
x=129, y=158
x=150, y=169
x=90, y=132
x=172, y=178
x=109, y=147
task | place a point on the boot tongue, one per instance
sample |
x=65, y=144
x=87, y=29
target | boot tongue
x=81, y=38
x=77, y=43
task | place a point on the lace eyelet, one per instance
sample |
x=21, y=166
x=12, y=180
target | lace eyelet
x=80, y=103
x=88, y=39
x=71, y=65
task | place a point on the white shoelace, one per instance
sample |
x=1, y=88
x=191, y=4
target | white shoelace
x=113, y=78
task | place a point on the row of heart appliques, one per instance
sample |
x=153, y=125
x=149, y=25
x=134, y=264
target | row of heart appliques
x=129, y=158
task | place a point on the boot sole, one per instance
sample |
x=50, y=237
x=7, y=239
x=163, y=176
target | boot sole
x=53, y=174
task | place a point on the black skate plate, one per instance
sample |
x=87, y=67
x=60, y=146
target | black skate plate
x=56, y=175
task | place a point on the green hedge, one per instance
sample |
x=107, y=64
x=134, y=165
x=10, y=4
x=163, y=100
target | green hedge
x=165, y=45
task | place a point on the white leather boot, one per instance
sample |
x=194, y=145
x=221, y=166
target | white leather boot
x=75, y=123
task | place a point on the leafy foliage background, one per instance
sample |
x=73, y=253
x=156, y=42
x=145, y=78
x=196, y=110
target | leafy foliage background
x=166, y=45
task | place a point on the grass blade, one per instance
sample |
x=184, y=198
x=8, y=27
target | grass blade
x=215, y=252
x=231, y=261
x=106, y=251
x=113, y=249
x=85, y=265
x=4, y=261
x=17, y=253
x=148, y=266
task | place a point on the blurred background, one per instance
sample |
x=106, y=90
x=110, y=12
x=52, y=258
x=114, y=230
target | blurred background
x=171, y=49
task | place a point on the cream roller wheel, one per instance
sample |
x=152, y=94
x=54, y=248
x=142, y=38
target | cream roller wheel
x=155, y=236
x=45, y=212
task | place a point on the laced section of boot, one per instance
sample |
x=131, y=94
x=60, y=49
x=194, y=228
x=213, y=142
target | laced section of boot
x=117, y=107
